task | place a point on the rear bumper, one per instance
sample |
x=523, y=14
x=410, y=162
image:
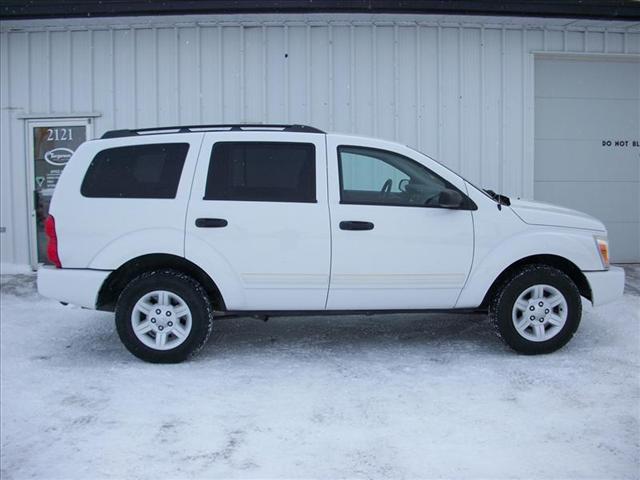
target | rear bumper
x=70, y=285
x=606, y=286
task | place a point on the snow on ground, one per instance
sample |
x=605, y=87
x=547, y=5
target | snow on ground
x=387, y=396
x=13, y=269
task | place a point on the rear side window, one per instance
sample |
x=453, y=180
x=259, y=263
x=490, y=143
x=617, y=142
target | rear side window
x=136, y=171
x=262, y=172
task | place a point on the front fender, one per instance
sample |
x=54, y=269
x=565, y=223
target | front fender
x=574, y=245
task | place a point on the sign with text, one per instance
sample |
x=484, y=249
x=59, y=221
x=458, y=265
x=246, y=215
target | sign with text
x=621, y=143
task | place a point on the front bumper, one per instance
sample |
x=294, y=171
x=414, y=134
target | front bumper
x=71, y=285
x=606, y=286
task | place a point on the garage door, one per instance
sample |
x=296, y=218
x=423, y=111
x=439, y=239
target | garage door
x=587, y=151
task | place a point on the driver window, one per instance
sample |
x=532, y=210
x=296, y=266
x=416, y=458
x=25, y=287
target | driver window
x=370, y=176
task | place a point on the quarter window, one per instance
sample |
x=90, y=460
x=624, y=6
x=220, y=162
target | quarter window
x=262, y=172
x=371, y=176
x=136, y=171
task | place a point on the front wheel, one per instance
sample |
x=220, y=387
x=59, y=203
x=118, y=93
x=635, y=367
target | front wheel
x=537, y=310
x=163, y=316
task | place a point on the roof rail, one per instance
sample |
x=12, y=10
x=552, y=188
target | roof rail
x=239, y=127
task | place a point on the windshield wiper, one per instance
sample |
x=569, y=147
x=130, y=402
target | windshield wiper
x=501, y=199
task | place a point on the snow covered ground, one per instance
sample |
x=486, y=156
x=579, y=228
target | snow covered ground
x=378, y=397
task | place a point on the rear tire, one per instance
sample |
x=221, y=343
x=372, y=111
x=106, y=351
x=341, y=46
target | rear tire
x=164, y=316
x=536, y=310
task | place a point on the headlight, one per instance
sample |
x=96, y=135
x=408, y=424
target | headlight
x=603, y=249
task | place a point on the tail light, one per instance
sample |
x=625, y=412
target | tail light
x=52, y=241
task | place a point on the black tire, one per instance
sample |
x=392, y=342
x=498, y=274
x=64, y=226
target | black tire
x=180, y=284
x=502, y=304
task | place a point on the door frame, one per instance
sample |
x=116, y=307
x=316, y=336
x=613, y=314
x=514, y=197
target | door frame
x=30, y=124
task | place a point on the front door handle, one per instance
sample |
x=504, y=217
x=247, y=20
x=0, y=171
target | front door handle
x=211, y=222
x=356, y=225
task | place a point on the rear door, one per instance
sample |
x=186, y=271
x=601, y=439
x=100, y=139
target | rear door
x=258, y=220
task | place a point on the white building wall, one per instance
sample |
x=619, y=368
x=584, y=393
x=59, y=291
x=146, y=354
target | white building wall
x=458, y=88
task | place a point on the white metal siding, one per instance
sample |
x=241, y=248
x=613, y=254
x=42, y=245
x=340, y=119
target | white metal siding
x=457, y=88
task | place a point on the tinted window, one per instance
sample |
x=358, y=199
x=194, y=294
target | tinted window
x=371, y=176
x=262, y=172
x=137, y=171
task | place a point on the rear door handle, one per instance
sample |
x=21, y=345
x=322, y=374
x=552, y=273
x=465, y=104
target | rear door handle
x=211, y=222
x=356, y=225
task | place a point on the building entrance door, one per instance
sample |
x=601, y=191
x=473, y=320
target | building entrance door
x=51, y=142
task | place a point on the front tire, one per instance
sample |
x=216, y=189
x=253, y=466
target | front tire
x=536, y=310
x=164, y=316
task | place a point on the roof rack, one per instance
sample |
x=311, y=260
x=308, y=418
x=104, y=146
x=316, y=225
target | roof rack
x=239, y=127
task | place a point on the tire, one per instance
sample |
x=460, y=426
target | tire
x=537, y=324
x=180, y=328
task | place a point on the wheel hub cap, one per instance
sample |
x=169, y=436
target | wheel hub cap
x=539, y=313
x=161, y=320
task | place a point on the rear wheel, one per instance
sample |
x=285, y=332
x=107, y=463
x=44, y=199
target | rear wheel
x=537, y=310
x=164, y=316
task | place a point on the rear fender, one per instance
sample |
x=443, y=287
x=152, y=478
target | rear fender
x=136, y=244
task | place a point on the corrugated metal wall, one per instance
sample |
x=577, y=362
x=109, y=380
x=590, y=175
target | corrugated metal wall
x=459, y=89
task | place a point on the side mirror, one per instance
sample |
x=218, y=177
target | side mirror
x=450, y=199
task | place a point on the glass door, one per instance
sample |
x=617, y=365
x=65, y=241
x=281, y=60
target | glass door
x=51, y=144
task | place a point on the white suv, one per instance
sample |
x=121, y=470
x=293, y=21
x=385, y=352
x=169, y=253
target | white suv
x=172, y=228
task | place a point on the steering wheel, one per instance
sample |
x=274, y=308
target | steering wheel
x=386, y=187
x=429, y=201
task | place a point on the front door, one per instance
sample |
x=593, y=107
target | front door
x=258, y=220
x=392, y=247
x=51, y=144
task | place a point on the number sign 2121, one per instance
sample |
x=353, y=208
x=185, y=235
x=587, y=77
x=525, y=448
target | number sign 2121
x=59, y=134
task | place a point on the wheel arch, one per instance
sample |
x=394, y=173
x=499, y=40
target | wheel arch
x=556, y=261
x=119, y=278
